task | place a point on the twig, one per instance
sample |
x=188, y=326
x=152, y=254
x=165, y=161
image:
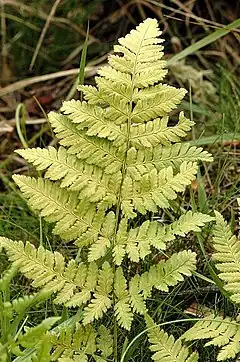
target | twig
x=43, y=33
x=42, y=78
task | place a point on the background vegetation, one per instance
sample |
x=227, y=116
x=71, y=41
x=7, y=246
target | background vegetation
x=41, y=45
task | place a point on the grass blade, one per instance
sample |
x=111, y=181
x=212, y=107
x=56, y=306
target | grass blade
x=217, y=34
x=20, y=121
x=83, y=59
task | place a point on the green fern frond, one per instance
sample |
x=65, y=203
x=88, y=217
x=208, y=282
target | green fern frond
x=136, y=298
x=95, y=120
x=227, y=257
x=69, y=345
x=101, y=301
x=142, y=161
x=138, y=241
x=142, y=54
x=80, y=343
x=90, y=181
x=122, y=308
x=157, y=132
x=8, y=275
x=34, y=337
x=155, y=189
x=189, y=221
x=222, y=332
x=168, y=273
x=91, y=149
x=118, y=157
x=50, y=272
x=22, y=304
x=165, y=347
x=74, y=220
x=105, y=342
x=33, y=334
x=159, y=105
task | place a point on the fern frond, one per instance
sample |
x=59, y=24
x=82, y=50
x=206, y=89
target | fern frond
x=22, y=304
x=165, y=347
x=87, y=284
x=118, y=156
x=105, y=342
x=136, y=298
x=157, y=132
x=72, y=282
x=222, y=332
x=122, y=308
x=151, y=107
x=89, y=180
x=142, y=55
x=227, y=257
x=91, y=149
x=68, y=345
x=96, y=120
x=8, y=274
x=101, y=301
x=142, y=161
x=155, y=189
x=189, y=221
x=74, y=220
x=168, y=273
x=139, y=240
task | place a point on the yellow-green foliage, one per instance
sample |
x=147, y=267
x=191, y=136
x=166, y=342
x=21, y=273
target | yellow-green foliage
x=227, y=257
x=166, y=348
x=119, y=159
x=222, y=332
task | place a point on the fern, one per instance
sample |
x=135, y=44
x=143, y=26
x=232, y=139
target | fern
x=222, y=332
x=122, y=307
x=227, y=257
x=80, y=343
x=119, y=159
x=168, y=273
x=166, y=348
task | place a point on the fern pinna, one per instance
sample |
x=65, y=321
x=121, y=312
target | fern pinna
x=119, y=161
x=223, y=333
